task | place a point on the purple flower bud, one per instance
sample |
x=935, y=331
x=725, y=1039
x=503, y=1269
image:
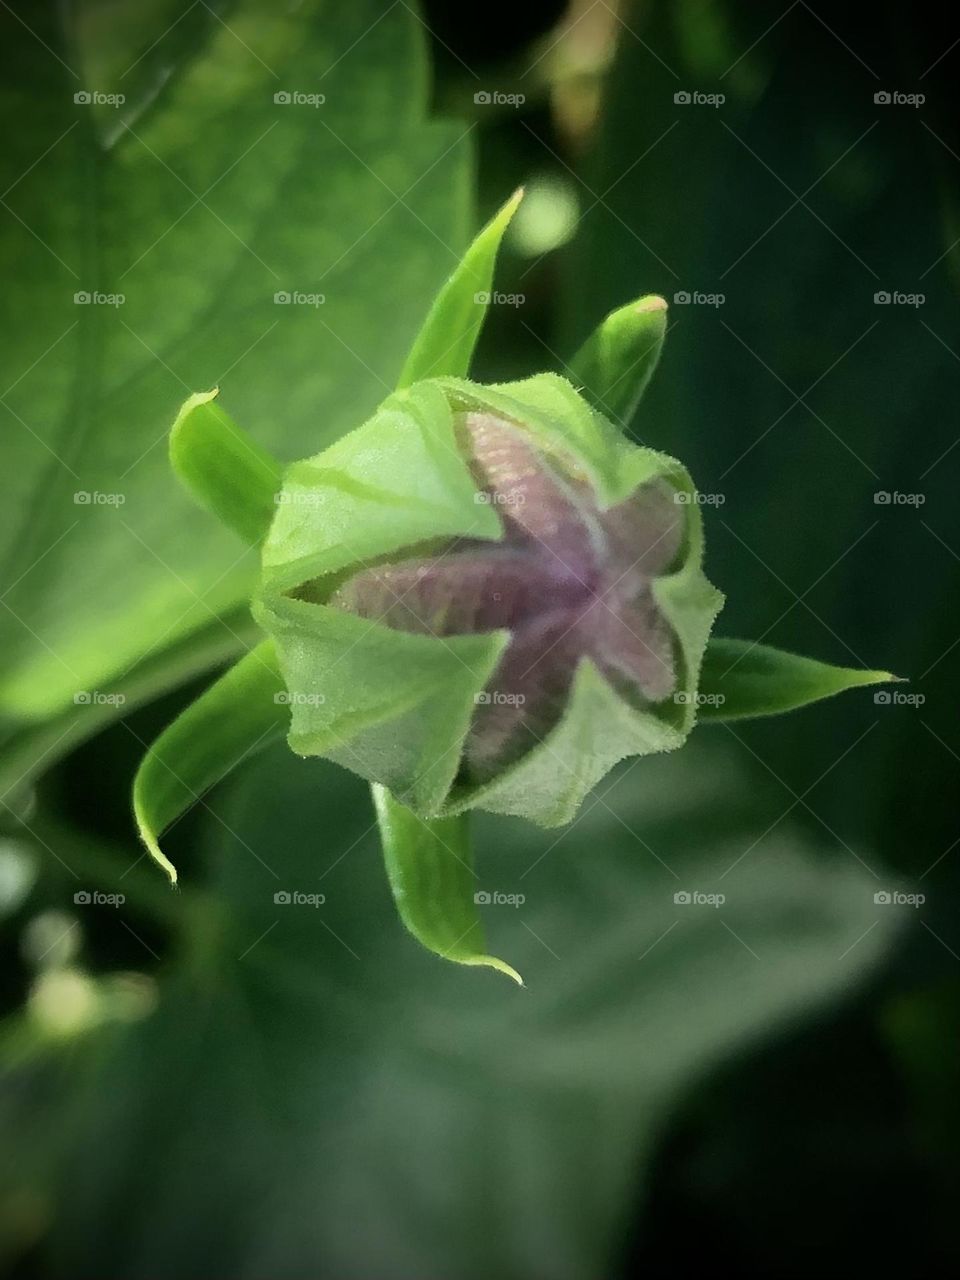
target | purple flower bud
x=567, y=580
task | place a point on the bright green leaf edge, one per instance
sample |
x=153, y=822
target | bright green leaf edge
x=615, y=364
x=223, y=468
x=459, y=308
x=244, y=711
x=741, y=680
x=429, y=868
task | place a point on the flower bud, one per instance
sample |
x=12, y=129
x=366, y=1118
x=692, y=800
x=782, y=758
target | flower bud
x=496, y=595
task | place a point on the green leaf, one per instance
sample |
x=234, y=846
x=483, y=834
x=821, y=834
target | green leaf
x=429, y=866
x=617, y=361
x=199, y=201
x=243, y=712
x=223, y=468
x=740, y=680
x=30, y=750
x=445, y=344
x=384, y=1049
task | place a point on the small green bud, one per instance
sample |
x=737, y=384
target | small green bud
x=485, y=597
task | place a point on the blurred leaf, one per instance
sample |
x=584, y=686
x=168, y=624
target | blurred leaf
x=319, y=1063
x=27, y=753
x=216, y=189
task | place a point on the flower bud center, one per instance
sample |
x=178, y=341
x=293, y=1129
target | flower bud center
x=567, y=580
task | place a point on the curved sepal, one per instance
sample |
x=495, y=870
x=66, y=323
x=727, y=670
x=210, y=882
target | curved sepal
x=449, y=335
x=394, y=482
x=740, y=680
x=429, y=867
x=223, y=468
x=243, y=712
x=617, y=361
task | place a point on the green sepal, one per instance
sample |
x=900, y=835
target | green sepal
x=429, y=867
x=397, y=481
x=223, y=468
x=615, y=364
x=597, y=729
x=391, y=706
x=741, y=680
x=446, y=342
x=243, y=712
